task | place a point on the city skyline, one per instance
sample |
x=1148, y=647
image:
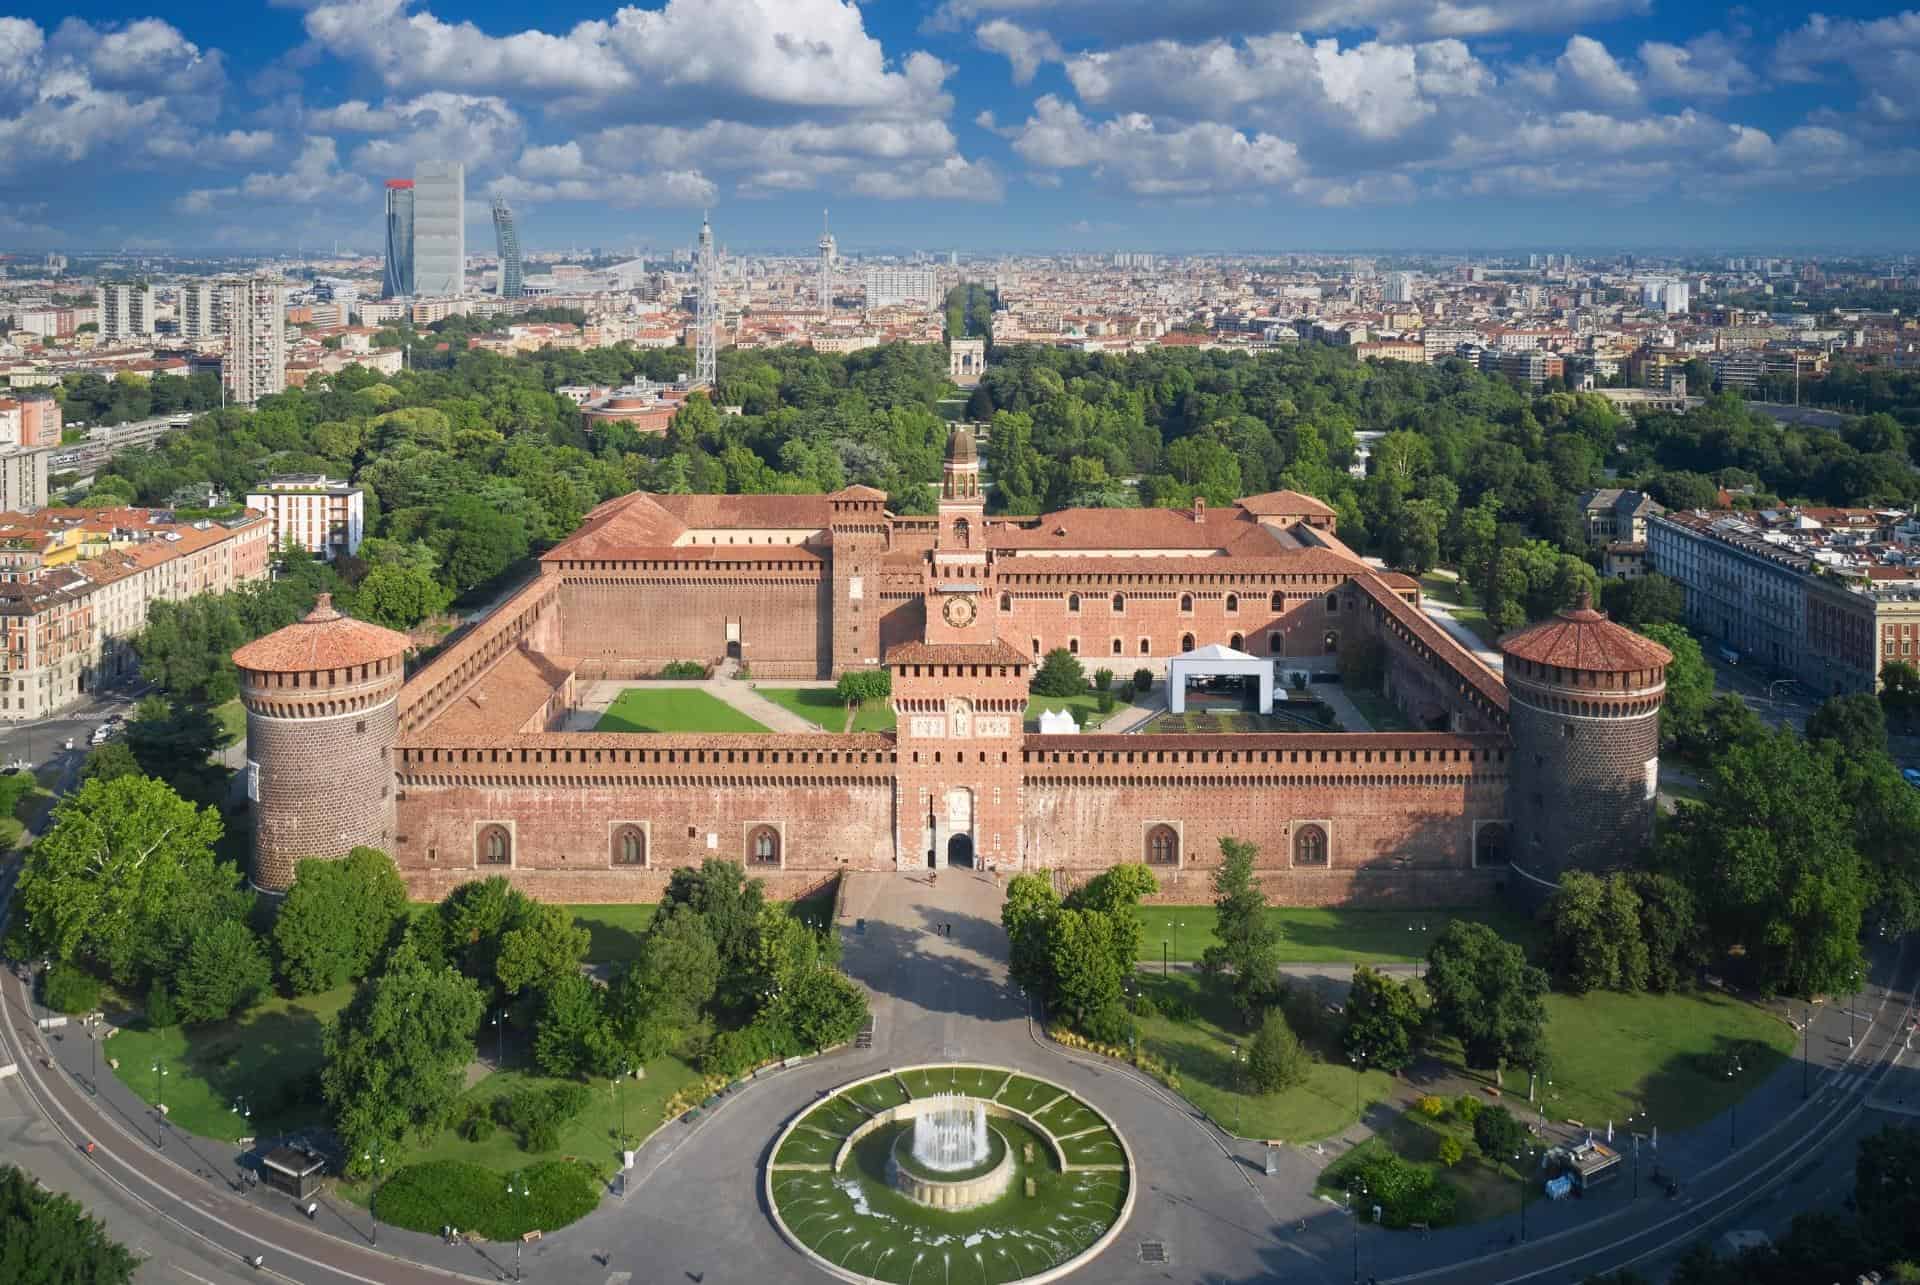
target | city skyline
x=990, y=125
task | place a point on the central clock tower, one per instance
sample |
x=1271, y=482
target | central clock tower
x=961, y=603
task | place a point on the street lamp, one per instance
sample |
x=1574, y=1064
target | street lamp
x=1353, y=1212
x=1733, y=1110
x=624, y=1072
x=1853, y=1009
x=1806, y=1041
x=517, y=1186
x=245, y=1112
x=1238, y=1085
x=93, y=1042
x=378, y=1160
x=499, y=1040
x=160, y=1106
x=1420, y=940
x=1522, y=1163
x=1359, y=1059
x=1633, y=1122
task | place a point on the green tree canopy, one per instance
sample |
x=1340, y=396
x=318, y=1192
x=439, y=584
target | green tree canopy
x=337, y=918
x=48, y=1239
x=1382, y=1020
x=1249, y=945
x=224, y=971
x=1487, y=996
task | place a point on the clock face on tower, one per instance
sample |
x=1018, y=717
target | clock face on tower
x=958, y=610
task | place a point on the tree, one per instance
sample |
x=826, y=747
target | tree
x=858, y=686
x=1487, y=996
x=820, y=1008
x=1060, y=674
x=1644, y=600
x=472, y=922
x=1886, y=1188
x=1668, y=928
x=399, y=597
x=1083, y=962
x=225, y=970
x=1031, y=902
x=1275, y=1060
x=1900, y=689
x=1118, y=891
x=1249, y=946
x=543, y=944
x=477, y=541
x=1596, y=941
x=174, y=741
x=658, y=997
x=1382, y=1019
x=396, y=1055
x=108, y=761
x=125, y=867
x=1689, y=683
x=1498, y=1135
x=337, y=918
x=573, y=1035
x=48, y=1239
x=722, y=895
x=1855, y=722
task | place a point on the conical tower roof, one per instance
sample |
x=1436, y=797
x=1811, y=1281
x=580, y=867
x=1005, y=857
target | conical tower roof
x=322, y=639
x=1579, y=637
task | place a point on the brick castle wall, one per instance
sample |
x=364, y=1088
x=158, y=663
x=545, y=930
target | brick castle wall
x=324, y=786
x=1582, y=796
x=781, y=617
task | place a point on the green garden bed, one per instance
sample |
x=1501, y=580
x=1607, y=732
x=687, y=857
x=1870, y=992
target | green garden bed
x=454, y=1193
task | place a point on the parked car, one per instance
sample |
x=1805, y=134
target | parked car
x=1912, y=775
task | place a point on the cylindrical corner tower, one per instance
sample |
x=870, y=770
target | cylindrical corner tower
x=321, y=700
x=1584, y=700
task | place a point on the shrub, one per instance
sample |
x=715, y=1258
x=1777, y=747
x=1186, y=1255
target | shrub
x=1108, y=1024
x=1105, y=702
x=1406, y=1192
x=1144, y=1006
x=70, y=990
x=1305, y=1013
x=1173, y=1007
x=1143, y=680
x=1299, y=680
x=1432, y=1107
x=683, y=669
x=1498, y=1135
x=536, y=1115
x=1124, y=691
x=734, y=1053
x=1452, y=1151
x=1275, y=1061
x=1102, y=679
x=457, y=1193
x=1467, y=1108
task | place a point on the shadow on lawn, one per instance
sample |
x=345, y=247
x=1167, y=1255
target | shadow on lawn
x=234, y=1058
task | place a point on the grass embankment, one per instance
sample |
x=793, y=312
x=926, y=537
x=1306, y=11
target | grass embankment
x=1455, y=596
x=822, y=705
x=1332, y=935
x=672, y=709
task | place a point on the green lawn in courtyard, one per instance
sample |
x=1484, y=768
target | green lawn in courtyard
x=672, y=709
x=822, y=705
x=1201, y=1051
x=1085, y=707
x=1381, y=714
x=265, y=1056
x=1328, y=935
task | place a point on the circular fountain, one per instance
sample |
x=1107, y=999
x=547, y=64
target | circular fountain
x=950, y=1159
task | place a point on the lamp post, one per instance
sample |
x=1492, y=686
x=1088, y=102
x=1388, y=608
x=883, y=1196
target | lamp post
x=1163, y=958
x=1420, y=940
x=624, y=1072
x=1635, y=1120
x=517, y=1186
x=1359, y=1059
x=1733, y=1109
x=1806, y=1042
x=378, y=1160
x=160, y=1106
x=1353, y=1212
x=245, y=1112
x=1238, y=1085
x=1523, y=1162
x=1853, y=1009
x=499, y=1040
x=93, y=1042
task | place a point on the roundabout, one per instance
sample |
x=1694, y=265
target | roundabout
x=962, y=1174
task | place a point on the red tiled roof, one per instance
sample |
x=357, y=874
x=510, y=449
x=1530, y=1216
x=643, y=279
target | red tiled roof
x=758, y=511
x=858, y=492
x=1284, y=504
x=324, y=639
x=1462, y=661
x=1269, y=741
x=997, y=652
x=1222, y=530
x=1582, y=638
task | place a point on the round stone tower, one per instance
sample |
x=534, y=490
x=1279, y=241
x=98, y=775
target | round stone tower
x=321, y=700
x=1584, y=698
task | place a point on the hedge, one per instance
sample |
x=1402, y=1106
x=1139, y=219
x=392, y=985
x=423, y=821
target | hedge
x=457, y=1193
x=1406, y=1192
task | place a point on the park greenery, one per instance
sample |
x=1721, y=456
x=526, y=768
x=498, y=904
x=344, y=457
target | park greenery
x=48, y=1239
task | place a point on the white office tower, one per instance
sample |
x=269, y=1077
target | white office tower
x=1664, y=296
x=439, y=229
x=199, y=310
x=1399, y=287
x=890, y=287
x=126, y=311
x=253, y=322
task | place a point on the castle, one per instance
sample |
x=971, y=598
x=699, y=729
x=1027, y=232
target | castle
x=465, y=768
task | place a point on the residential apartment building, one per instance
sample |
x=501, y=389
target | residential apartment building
x=76, y=585
x=253, y=322
x=1613, y=515
x=322, y=516
x=200, y=310
x=1856, y=627
x=887, y=287
x=1746, y=592
x=125, y=310
x=1531, y=366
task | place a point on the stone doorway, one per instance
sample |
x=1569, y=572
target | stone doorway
x=960, y=851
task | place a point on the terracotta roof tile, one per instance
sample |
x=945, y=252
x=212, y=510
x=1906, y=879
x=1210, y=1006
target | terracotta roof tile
x=324, y=639
x=1285, y=504
x=1221, y=530
x=758, y=511
x=1462, y=661
x=512, y=691
x=997, y=652
x=1271, y=741
x=1582, y=638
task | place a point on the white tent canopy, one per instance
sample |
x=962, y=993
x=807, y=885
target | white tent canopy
x=1216, y=660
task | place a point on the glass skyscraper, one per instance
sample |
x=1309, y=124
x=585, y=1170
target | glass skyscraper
x=439, y=228
x=512, y=280
x=399, y=279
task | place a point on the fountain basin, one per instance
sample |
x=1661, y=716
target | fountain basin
x=964, y=1189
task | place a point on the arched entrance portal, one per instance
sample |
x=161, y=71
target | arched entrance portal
x=960, y=850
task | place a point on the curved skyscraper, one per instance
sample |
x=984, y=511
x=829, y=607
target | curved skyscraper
x=508, y=237
x=399, y=279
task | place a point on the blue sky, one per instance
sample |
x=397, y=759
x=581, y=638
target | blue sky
x=976, y=124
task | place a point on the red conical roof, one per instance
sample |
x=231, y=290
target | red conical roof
x=322, y=639
x=1581, y=638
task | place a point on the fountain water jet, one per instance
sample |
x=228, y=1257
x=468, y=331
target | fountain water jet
x=951, y=1136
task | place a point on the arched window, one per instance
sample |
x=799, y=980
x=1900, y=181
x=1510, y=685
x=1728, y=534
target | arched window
x=1186, y=603
x=1310, y=846
x=1116, y=646
x=1233, y=602
x=1186, y=642
x=1073, y=645
x=1145, y=647
x=1073, y=602
x=1332, y=641
x=496, y=846
x=630, y=846
x=1006, y=602
x=1276, y=645
x=1163, y=846
x=1277, y=603
x=1119, y=603
x=1333, y=602
x=962, y=533
x=1237, y=642
x=763, y=846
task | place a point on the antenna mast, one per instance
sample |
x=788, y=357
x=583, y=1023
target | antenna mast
x=706, y=323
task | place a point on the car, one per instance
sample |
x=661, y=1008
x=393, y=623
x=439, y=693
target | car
x=1912, y=776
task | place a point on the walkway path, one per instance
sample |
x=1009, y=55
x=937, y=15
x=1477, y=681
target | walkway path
x=1344, y=710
